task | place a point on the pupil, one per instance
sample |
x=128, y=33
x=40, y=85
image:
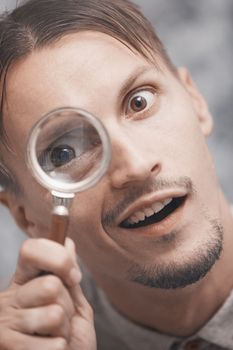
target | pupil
x=61, y=155
x=138, y=103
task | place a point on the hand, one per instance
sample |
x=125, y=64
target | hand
x=48, y=312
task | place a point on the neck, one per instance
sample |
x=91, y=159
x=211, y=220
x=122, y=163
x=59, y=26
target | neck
x=180, y=312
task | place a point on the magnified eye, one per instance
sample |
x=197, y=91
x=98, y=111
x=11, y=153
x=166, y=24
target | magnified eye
x=77, y=148
x=141, y=101
x=62, y=154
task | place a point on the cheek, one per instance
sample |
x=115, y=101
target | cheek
x=38, y=204
x=185, y=145
x=85, y=215
x=176, y=136
x=189, y=156
x=194, y=155
x=93, y=244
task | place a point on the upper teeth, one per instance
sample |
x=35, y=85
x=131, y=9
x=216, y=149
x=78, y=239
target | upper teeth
x=148, y=211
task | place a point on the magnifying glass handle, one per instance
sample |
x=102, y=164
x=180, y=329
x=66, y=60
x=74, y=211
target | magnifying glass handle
x=58, y=228
x=59, y=224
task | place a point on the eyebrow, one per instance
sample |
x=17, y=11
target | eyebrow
x=132, y=78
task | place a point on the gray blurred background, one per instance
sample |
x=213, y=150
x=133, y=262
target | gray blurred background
x=198, y=34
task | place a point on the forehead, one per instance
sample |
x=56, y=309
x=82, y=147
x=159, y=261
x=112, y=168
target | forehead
x=81, y=60
x=76, y=71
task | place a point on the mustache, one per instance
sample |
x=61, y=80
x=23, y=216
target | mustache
x=134, y=192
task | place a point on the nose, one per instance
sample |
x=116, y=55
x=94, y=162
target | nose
x=133, y=160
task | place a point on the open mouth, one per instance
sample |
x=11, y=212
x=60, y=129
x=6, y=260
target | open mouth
x=152, y=215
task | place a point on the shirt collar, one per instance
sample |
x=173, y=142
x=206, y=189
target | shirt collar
x=219, y=330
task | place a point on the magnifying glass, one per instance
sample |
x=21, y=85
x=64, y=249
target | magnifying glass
x=68, y=151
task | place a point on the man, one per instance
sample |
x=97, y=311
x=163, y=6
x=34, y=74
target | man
x=156, y=233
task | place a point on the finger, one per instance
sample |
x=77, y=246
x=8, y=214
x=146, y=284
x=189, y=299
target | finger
x=45, y=321
x=82, y=307
x=71, y=249
x=43, y=291
x=38, y=255
x=83, y=322
x=18, y=341
x=81, y=304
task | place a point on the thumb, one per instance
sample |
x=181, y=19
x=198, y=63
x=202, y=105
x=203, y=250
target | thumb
x=70, y=246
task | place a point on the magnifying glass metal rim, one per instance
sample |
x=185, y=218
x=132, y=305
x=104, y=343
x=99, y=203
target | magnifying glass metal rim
x=53, y=184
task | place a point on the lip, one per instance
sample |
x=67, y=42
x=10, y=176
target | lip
x=162, y=228
x=148, y=200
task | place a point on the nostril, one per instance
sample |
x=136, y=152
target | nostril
x=156, y=168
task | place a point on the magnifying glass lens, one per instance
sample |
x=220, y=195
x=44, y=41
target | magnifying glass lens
x=69, y=150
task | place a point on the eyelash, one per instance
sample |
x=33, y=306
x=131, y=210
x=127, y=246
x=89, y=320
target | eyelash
x=141, y=114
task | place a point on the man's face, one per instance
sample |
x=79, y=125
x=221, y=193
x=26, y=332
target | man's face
x=154, y=217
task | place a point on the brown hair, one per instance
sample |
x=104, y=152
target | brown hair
x=39, y=23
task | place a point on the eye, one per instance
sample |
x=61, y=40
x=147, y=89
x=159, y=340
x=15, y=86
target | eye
x=75, y=148
x=61, y=155
x=140, y=101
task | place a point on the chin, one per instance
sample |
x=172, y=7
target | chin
x=190, y=269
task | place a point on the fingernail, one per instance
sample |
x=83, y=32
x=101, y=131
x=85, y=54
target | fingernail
x=75, y=276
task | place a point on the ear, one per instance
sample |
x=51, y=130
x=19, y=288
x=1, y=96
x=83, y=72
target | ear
x=18, y=212
x=199, y=103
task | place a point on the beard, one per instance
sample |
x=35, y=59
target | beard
x=174, y=275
